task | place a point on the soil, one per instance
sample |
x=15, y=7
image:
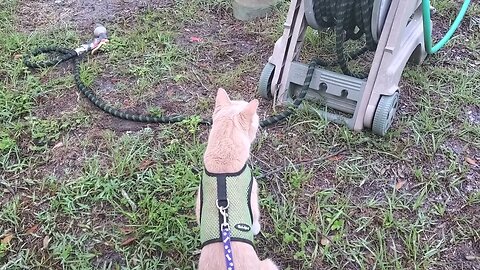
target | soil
x=83, y=14
x=65, y=162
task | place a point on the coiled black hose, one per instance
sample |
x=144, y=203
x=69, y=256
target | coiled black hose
x=351, y=19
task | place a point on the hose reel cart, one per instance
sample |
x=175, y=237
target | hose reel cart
x=393, y=29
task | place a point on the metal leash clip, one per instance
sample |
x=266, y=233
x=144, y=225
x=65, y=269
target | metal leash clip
x=223, y=212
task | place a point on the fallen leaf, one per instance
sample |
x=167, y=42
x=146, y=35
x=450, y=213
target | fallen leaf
x=127, y=230
x=33, y=229
x=401, y=173
x=127, y=103
x=17, y=56
x=60, y=144
x=132, y=203
x=128, y=240
x=370, y=259
x=6, y=240
x=471, y=161
x=325, y=241
x=400, y=184
x=108, y=244
x=472, y=258
x=46, y=241
x=146, y=164
x=195, y=39
x=335, y=158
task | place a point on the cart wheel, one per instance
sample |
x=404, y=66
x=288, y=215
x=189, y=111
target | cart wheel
x=265, y=83
x=384, y=114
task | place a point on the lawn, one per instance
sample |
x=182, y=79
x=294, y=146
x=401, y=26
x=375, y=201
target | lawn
x=80, y=189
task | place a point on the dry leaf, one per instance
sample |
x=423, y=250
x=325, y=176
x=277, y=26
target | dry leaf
x=6, y=240
x=128, y=240
x=335, y=158
x=17, y=56
x=195, y=39
x=370, y=259
x=60, y=144
x=146, y=164
x=127, y=230
x=33, y=229
x=400, y=184
x=401, y=173
x=471, y=258
x=127, y=103
x=471, y=161
x=325, y=241
x=46, y=241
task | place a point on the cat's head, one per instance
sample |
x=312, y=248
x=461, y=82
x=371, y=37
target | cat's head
x=242, y=114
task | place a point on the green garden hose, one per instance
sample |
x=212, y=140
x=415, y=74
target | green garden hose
x=427, y=26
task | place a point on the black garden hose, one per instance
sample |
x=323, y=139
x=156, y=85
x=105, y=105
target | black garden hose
x=351, y=19
x=68, y=54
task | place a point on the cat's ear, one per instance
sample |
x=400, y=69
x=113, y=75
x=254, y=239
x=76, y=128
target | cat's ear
x=250, y=110
x=222, y=98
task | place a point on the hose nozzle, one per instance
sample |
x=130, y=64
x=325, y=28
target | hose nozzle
x=100, y=32
x=100, y=39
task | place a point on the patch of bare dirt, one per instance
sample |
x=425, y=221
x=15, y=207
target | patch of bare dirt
x=36, y=15
x=56, y=107
x=464, y=256
x=231, y=44
x=451, y=56
x=107, y=256
x=473, y=115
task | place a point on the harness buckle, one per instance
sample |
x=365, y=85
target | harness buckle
x=224, y=224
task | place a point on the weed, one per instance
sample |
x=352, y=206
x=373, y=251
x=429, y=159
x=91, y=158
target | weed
x=405, y=201
x=10, y=212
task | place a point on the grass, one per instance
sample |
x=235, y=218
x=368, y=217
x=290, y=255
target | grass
x=81, y=190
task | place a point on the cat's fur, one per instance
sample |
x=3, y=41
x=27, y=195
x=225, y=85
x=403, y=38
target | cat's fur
x=235, y=124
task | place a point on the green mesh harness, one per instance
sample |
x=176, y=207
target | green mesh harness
x=231, y=190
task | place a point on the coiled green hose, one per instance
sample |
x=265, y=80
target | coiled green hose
x=427, y=26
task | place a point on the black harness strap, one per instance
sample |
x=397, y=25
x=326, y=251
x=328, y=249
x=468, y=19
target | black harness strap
x=222, y=190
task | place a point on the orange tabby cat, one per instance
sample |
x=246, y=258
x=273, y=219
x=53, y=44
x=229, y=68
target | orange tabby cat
x=235, y=124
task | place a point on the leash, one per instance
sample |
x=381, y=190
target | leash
x=226, y=236
x=101, y=39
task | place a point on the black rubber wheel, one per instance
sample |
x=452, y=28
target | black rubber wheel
x=265, y=83
x=385, y=113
